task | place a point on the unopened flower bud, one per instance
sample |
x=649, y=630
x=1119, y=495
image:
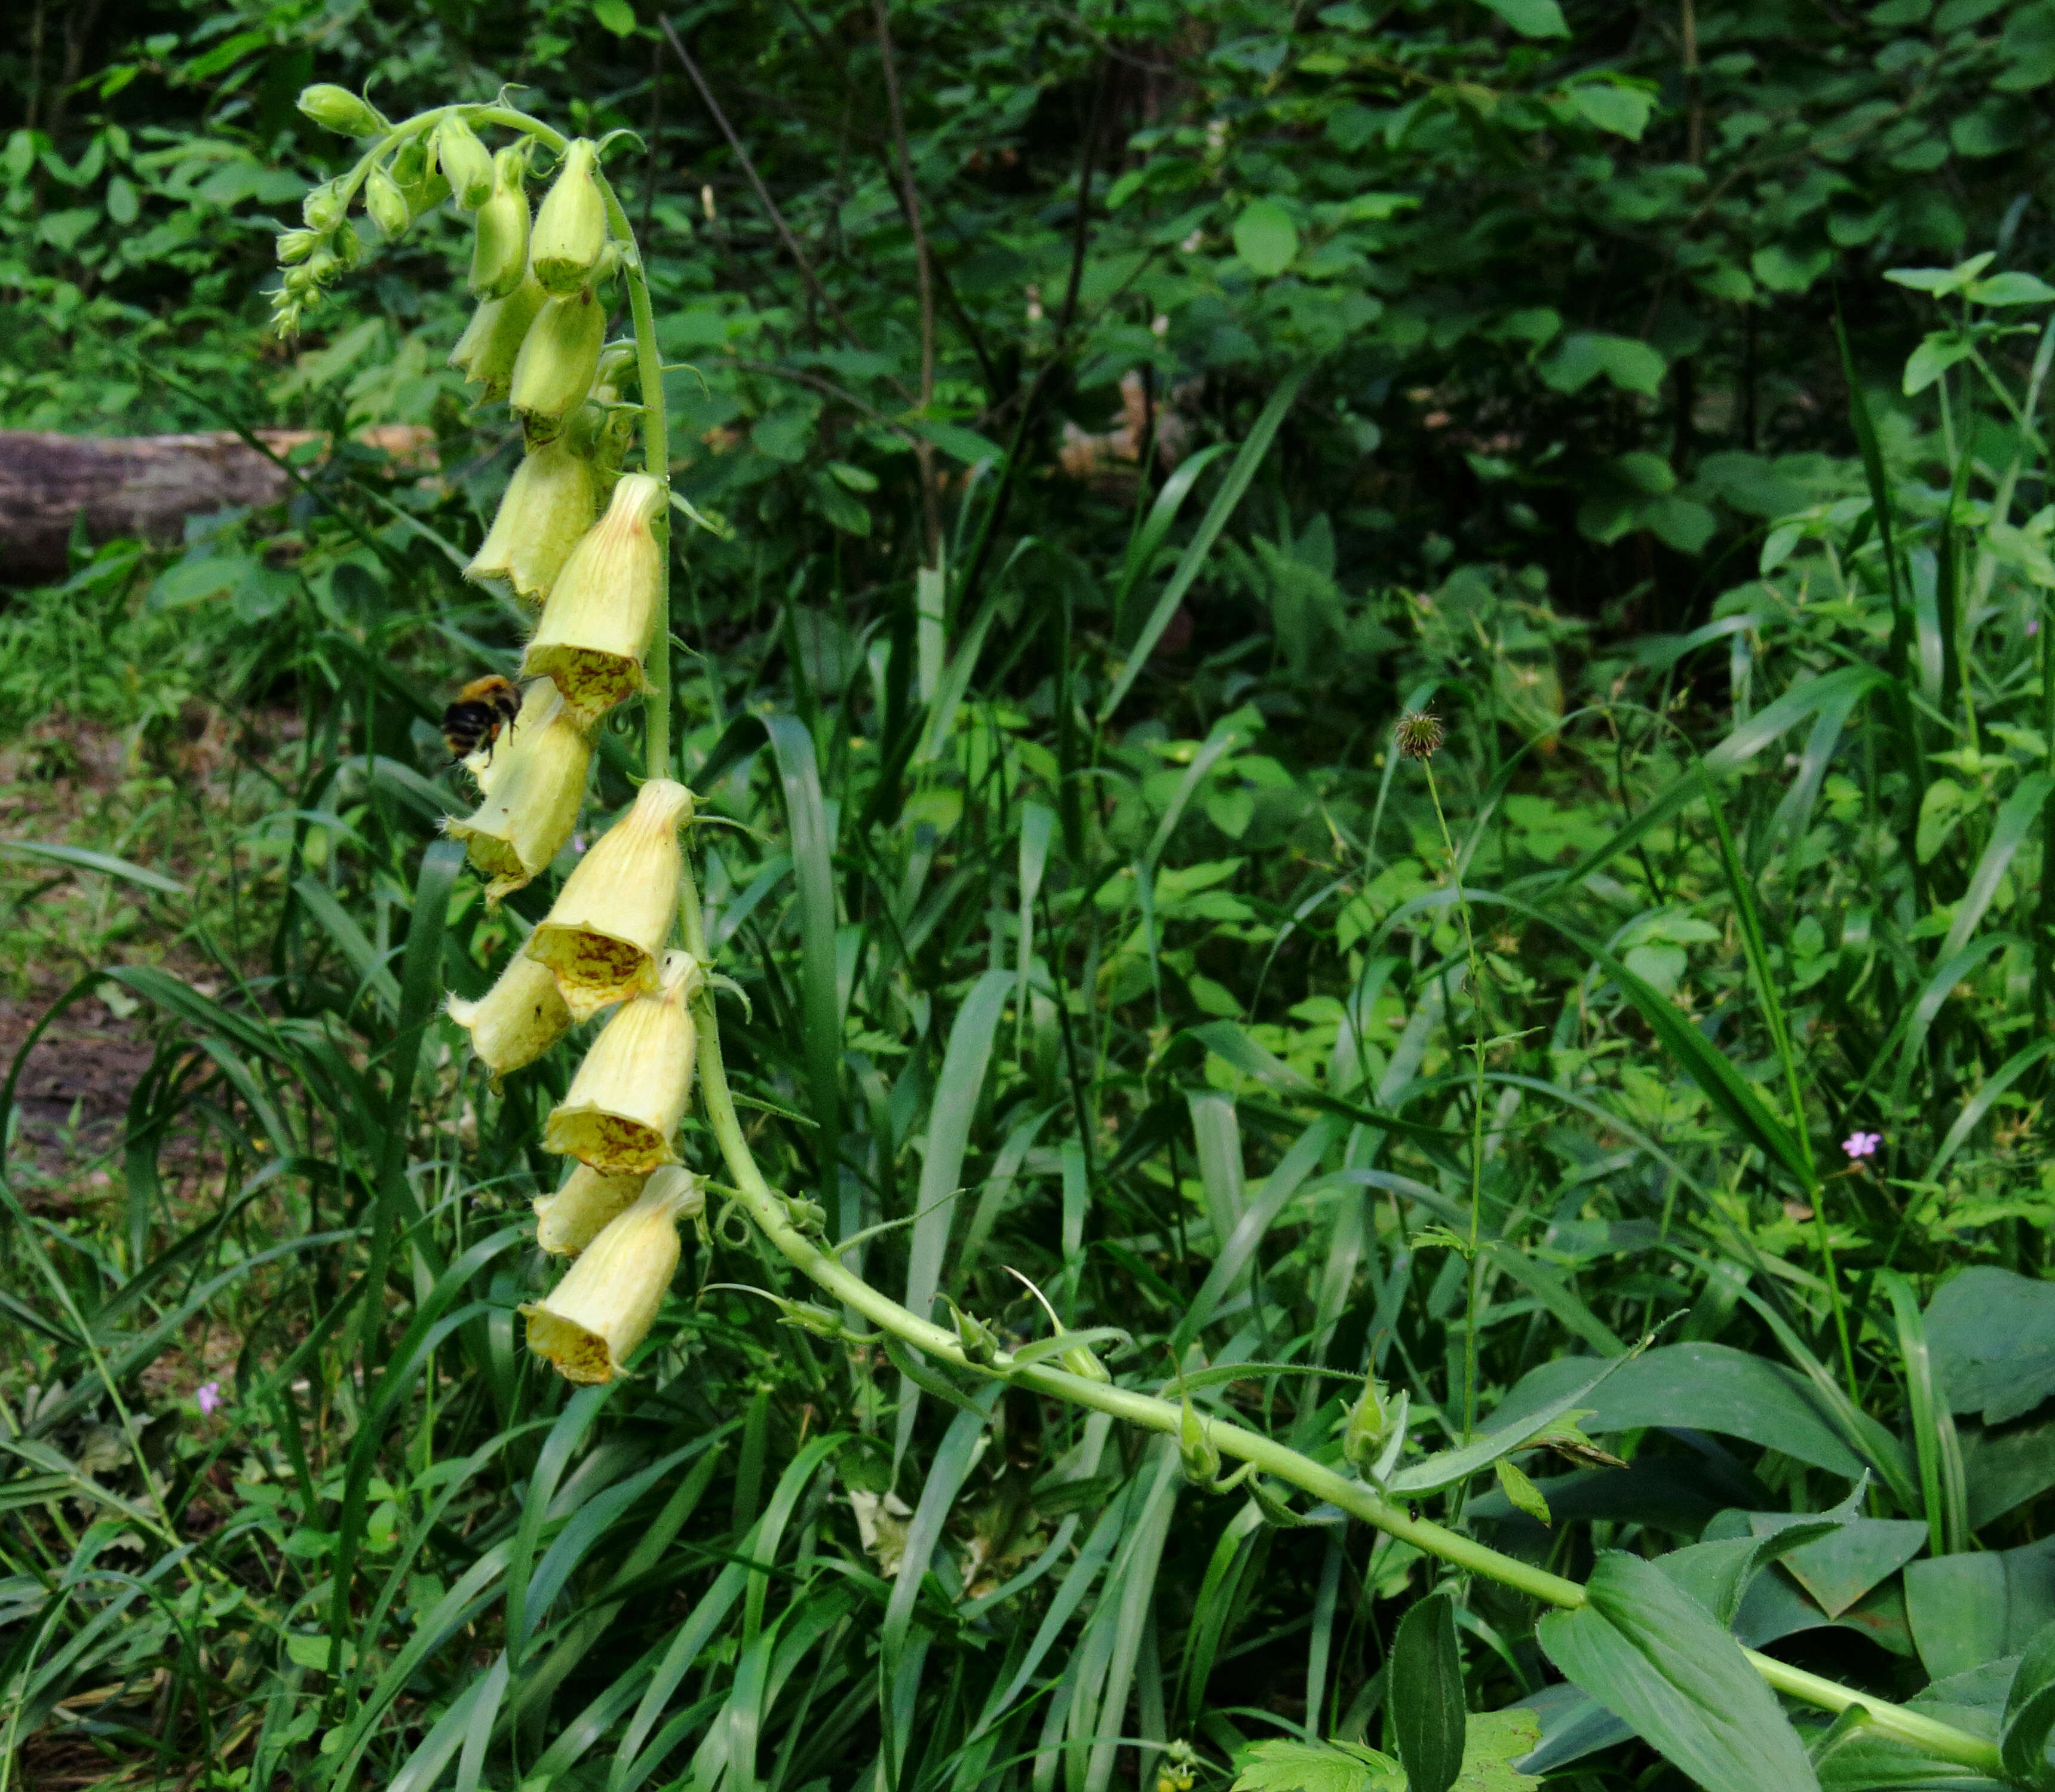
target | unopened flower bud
x=1195, y=1444
x=517, y=1020
x=631, y=1091
x=559, y=357
x=592, y=1321
x=466, y=162
x=603, y=608
x=571, y=226
x=337, y=109
x=421, y=183
x=386, y=205
x=547, y=508
x=499, y=242
x=487, y=351
x=604, y=934
x=532, y=795
x=568, y=1220
x=296, y=246
x=1363, y=1436
x=323, y=207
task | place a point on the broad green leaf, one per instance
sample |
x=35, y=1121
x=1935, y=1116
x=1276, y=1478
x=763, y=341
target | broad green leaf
x=1992, y=1334
x=1624, y=111
x=2029, y=1713
x=1428, y=1711
x=1967, y=1610
x=1265, y=236
x=1531, y=18
x=1655, y=1657
x=1284, y=1765
x=1933, y=356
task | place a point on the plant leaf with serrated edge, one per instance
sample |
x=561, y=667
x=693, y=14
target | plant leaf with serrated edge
x=1285, y=1766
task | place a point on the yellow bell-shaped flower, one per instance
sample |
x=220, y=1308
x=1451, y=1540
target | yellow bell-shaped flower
x=486, y=352
x=590, y=1323
x=547, y=508
x=568, y=1220
x=630, y=1094
x=602, y=607
x=558, y=357
x=515, y=1021
x=534, y=787
x=606, y=931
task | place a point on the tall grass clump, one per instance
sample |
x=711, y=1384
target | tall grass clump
x=958, y=1212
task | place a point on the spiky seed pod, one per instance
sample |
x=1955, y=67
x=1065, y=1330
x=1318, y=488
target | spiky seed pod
x=604, y=934
x=570, y=224
x=533, y=791
x=486, y=352
x=630, y=1093
x=602, y=609
x=568, y=1220
x=548, y=507
x=517, y=1020
x=592, y=1321
x=499, y=242
x=1418, y=735
x=386, y=204
x=466, y=162
x=558, y=358
x=337, y=109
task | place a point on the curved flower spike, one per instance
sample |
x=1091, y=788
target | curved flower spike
x=568, y=1220
x=607, y=928
x=630, y=1093
x=602, y=607
x=548, y=508
x=533, y=787
x=517, y=1020
x=591, y=1322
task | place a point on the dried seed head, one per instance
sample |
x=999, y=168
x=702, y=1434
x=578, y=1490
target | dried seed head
x=1418, y=735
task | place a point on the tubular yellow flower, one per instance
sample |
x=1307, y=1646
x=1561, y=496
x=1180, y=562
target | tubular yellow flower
x=606, y=931
x=517, y=1020
x=491, y=344
x=548, y=506
x=558, y=357
x=533, y=789
x=590, y=1323
x=630, y=1094
x=570, y=227
x=602, y=607
x=568, y=1220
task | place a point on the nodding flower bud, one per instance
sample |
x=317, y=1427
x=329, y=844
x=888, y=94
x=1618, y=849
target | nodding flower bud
x=605, y=933
x=499, y=241
x=337, y=109
x=517, y=1020
x=571, y=226
x=568, y=1220
x=533, y=791
x=323, y=207
x=630, y=1093
x=466, y=162
x=388, y=206
x=491, y=341
x=548, y=508
x=296, y=246
x=590, y=1323
x=1195, y=1444
x=603, y=608
x=421, y=183
x=558, y=357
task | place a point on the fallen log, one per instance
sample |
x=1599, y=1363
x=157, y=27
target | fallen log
x=144, y=486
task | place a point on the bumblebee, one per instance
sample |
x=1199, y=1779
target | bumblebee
x=483, y=709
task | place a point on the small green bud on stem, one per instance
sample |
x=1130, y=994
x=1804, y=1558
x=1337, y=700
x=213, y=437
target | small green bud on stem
x=387, y=208
x=1195, y=1444
x=499, y=246
x=558, y=357
x=323, y=207
x=466, y=162
x=337, y=109
x=571, y=226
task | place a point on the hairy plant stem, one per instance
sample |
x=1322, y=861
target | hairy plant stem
x=767, y=1208
x=1476, y=1112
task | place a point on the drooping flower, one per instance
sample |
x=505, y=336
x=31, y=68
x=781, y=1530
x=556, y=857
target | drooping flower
x=606, y=931
x=499, y=240
x=558, y=357
x=486, y=352
x=603, y=608
x=534, y=786
x=570, y=224
x=548, y=507
x=568, y=1220
x=590, y=1323
x=1860, y=1145
x=517, y=1020
x=630, y=1093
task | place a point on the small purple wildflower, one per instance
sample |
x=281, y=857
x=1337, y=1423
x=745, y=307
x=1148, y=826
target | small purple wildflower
x=2033, y=625
x=210, y=1397
x=1860, y=1145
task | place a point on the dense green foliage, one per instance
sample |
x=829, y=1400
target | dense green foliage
x=1156, y=976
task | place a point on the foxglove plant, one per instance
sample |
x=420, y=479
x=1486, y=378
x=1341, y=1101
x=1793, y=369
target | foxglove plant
x=626, y=929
